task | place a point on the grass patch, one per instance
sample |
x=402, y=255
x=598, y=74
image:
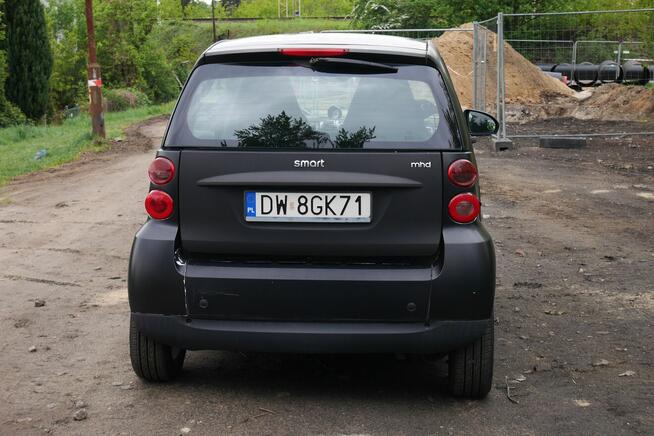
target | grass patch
x=64, y=142
x=273, y=26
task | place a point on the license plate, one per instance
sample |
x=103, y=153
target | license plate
x=308, y=206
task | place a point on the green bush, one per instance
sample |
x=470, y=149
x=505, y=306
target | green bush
x=156, y=76
x=10, y=115
x=274, y=26
x=268, y=9
x=181, y=42
x=116, y=100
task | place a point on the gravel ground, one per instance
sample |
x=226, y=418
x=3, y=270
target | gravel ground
x=575, y=298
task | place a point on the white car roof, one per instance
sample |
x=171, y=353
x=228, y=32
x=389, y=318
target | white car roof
x=355, y=42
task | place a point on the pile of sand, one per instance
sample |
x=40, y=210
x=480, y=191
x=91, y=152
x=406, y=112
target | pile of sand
x=525, y=83
x=617, y=102
x=532, y=94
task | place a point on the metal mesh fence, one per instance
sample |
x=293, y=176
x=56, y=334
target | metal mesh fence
x=514, y=53
x=553, y=37
x=584, y=49
x=484, y=59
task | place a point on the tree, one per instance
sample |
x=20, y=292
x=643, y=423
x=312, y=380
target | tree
x=230, y=5
x=439, y=13
x=169, y=9
x=137, y=48
x=29, y=57
x=128, y=57
x=275, y=131
x=345, y=139
x=177, y=9
x=9, y=114
x=284, y=131
x=67, y=28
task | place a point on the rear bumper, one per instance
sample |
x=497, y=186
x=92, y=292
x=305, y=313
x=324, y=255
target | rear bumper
x=461, y=286
x=308, y=337
x=459, y=293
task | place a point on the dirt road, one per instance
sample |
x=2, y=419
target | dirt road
x=575, y=299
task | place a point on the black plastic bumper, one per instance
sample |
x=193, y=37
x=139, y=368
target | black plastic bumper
x=309, y=337
x=459, y=292
x=461, y=286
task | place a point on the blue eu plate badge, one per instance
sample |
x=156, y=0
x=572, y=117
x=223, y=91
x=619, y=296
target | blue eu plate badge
x=250, y=204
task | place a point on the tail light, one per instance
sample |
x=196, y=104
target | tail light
x=462, y=173
x=464, y=208
x=159, y=205
x=161, y=171
x=313, y=52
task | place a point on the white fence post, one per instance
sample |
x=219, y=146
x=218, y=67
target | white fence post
x=500, y=140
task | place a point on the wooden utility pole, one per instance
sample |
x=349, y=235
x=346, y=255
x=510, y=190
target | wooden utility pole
x=94, y=76
x=213, y=18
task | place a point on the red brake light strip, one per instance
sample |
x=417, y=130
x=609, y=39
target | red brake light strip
x=312, y=52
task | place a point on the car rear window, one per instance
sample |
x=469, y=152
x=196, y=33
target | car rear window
x=278, y=105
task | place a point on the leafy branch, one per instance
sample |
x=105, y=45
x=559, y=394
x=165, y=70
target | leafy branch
x=345, y=139
x=279, y=131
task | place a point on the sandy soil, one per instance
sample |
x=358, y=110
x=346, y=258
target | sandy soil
x=526, y=84
x=575, y=299
x=532, y=95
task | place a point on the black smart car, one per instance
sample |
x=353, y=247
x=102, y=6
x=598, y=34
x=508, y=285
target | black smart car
x=316, y=193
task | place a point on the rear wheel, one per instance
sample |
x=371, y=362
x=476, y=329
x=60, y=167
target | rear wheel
x=151, y=360
x=471, y=367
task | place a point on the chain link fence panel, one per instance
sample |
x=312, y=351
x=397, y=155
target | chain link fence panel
x=587, y=73
x=609, y=55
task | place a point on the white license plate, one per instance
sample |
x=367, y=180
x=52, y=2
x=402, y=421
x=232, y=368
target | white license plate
x=308, y=206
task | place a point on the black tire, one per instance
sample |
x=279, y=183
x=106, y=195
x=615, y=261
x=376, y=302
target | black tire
x=151, y=360
x=471, y=367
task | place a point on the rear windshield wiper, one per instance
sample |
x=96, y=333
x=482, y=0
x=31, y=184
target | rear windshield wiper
x=339, y=65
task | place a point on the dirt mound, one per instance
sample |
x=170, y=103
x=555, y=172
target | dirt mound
x=532, y=94
x=525, y=82
x=617, y=103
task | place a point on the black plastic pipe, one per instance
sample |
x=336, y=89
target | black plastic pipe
x=565, y=69
x=609, y=72
x=586, y=73
x=635, y=72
